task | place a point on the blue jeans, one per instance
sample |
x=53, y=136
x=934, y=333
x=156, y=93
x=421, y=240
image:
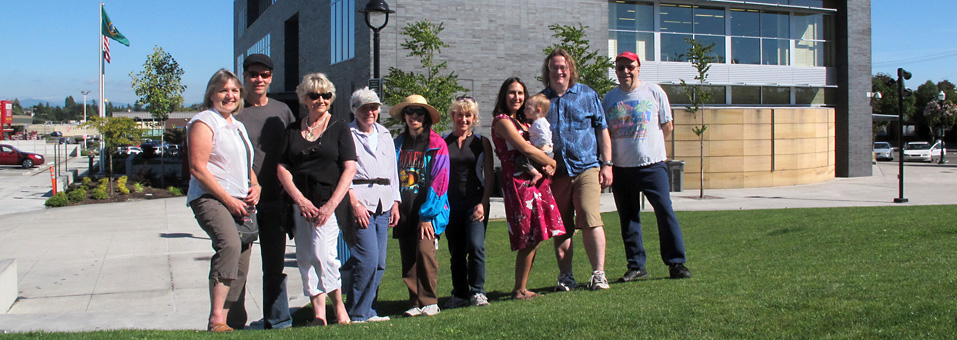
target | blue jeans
x=272, y=244
x=467, y=251
x=653, y=181
x=367, y=264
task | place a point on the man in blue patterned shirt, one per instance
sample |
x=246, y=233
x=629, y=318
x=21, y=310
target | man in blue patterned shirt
x=580, y=136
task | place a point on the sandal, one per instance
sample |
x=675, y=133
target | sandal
x=523, y=294
x=219, y=328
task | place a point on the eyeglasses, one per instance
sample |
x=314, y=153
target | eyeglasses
x=417, y=111
x=263, y=74
x=314, y=96
x=629, y=67
x=465, y=98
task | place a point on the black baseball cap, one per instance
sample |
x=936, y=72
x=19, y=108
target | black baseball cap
x=257, y=58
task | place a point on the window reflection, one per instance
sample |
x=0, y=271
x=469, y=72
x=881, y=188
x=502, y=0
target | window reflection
x=676, y=18
x=775, y=51
x=674, y=47
x=746, y=51
x=775, y=25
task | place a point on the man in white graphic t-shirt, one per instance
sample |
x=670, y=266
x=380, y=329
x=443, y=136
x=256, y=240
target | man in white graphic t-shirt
x=638, y=115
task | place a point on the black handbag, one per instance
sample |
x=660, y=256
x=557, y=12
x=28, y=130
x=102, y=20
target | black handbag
x=248, y=226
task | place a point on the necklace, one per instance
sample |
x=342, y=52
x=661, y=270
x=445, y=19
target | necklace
x=309, y=129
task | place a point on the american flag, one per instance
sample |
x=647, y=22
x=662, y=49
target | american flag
x=106, y=48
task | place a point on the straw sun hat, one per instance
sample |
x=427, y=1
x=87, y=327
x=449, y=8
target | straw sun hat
x=414, y=100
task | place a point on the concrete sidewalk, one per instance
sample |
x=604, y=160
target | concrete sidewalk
x=143, y=264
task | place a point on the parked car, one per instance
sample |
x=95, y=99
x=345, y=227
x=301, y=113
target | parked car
x=56, y=134
x=128, y=150
x=883, y=151
x=10, y=155
x=923, y=151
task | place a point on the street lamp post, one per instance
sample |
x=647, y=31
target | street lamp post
x=84, y=117
x=377, y=16
x=943, y=149
x=901, y=76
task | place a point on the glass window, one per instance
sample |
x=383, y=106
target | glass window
x=745, y=22
x=631, y=16
x=779, y=2
x=676, y=18
x=775, y=25
x=641, y=43
x=808, y=26
x=809, y=3
x=676, y=94
x=775, y=95
x=809, y=96
x=746, y=51
x=719, y=94
x=810, y=53
x=342, y=33
x=708, y=20
x=719, y=45
x=775, y=51
x=745, y=95
x=674, y=47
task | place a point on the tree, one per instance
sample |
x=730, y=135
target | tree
x=423, y=42
x=17, y=109
x=592, y=65
x=116, y=132
x=701, y=58
x=938, y=117
x=160, y=87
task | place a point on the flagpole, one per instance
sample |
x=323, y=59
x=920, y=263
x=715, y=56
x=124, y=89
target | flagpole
x=99, y=38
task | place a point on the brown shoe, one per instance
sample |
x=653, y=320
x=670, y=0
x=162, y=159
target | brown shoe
x=523, y=294
x=219, y=328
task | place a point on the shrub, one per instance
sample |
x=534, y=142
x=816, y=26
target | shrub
x=138, y=187
x=87, y=180
x=77, y=195
x=121, y=185
x=104, y=181
x=58, y=200
x=100, y=194
x=176, y=192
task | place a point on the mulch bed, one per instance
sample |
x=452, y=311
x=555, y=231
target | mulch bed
x=147, y=194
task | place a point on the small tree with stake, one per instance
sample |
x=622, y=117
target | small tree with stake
x=160, y=87
x=701, y=58
x=117, y=132
x=592, y=65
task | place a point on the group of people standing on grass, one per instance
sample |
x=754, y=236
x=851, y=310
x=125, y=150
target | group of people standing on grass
x=322, y=180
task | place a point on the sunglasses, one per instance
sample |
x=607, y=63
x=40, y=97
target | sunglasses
x=629, y=67
x=465, y=98
x=314, y=96
x=263, y=74
x=415, y=111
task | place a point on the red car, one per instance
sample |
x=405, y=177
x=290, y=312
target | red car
x=10, y=155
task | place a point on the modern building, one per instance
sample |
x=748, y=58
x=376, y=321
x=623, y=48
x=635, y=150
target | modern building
x=790, y=81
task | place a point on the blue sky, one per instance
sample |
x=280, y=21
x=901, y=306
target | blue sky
x=50, y=46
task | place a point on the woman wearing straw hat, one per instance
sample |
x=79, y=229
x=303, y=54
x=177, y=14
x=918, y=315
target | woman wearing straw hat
x=423, y=165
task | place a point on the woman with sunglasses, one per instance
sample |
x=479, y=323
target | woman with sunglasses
x=470, y=163
x=222, y=188
x=316, y=168
x=529, y=206
x=423, y=164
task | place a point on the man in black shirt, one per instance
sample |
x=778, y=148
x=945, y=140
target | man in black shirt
x=265, y=122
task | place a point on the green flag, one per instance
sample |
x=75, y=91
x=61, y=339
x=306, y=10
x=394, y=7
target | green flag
x=110, y=31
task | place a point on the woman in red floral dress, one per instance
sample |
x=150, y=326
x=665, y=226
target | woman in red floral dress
x=529, y=207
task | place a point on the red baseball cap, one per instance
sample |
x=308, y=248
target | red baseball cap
x=630, y=56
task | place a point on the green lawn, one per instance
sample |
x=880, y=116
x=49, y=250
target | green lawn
x=849, y=273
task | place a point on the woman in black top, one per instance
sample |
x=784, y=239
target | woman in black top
x=470, y=163
x=316, y=169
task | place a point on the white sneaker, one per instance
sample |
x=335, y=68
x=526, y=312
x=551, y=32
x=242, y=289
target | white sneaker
x=479, y=299
x=414, y=311
x=430, y=310
x=374, y=319
x=566, y=282
x=598, y=280
x=456, y=302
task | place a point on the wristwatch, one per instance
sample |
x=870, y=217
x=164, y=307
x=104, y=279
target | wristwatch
x=608, y=163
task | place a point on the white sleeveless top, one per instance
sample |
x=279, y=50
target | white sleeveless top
x=229, y=158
